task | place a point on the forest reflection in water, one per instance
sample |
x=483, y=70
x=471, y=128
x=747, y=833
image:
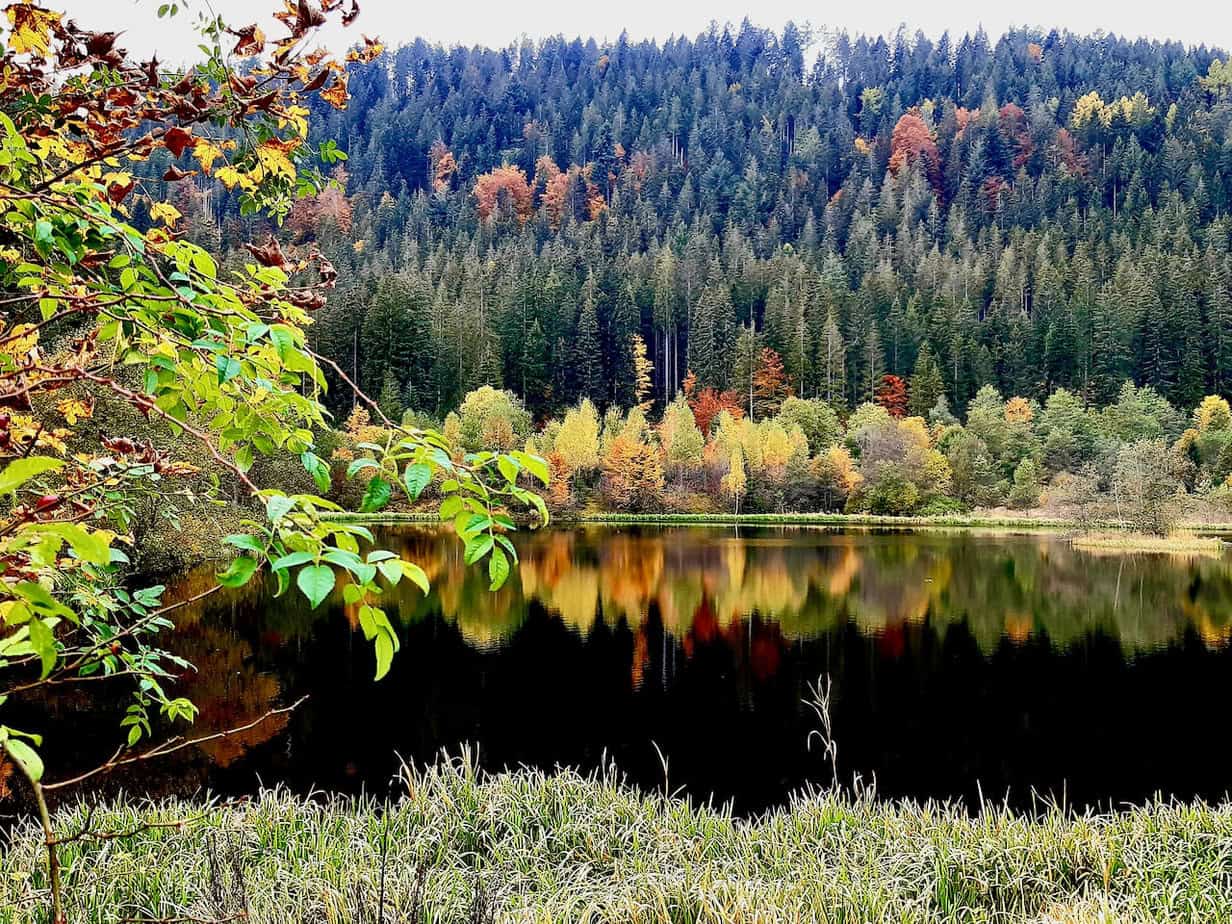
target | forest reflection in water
x=959, y=660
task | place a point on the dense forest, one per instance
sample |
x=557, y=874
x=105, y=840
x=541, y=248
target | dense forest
x=945, y=231
x=1043, y=211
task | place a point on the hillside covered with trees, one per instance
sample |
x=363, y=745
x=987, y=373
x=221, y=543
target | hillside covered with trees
x=936, y=228
x=1037, y=212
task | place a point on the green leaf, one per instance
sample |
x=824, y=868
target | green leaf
x=228, y=367
x=415, y=574
x=291, y=559
x=94, y=547
x=40, y=598
x=359, y=465
x=315, y=466
x=477, y=547
x=376, y=496
x=364, y=572
x=498, y=569
x=19, y=471
x=391, y=570
x=508, y=467
x=376, y=627
x=278, y=506
x=244, y=541
x=239, y=572
x=535, y=465
x=25, y=757
x=416, y=478
x=43, y=641
x=316, y=581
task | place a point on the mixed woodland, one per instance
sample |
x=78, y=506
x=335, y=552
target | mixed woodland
x=781, y=271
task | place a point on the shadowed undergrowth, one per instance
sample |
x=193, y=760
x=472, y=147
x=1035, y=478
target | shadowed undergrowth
x=459, y=845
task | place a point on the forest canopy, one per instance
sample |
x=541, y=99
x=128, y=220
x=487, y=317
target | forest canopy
x=1035, y=211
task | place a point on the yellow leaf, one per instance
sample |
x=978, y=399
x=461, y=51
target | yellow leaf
x=165, y=212
x=336, y=95
x=206, y=153
x=231, y=177
x=19, y=341
x=74, y=409
x=31, y=28
x=275, y=160
x=295, y=116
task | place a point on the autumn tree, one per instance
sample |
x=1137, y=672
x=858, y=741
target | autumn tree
x=643, y=369
x=837, y=476
x=912, y=142
x=444, y=166
x=504, y=191
x=892, y=395
x=735, y=481
x=770, y=385
x=680, y=437
x=577, y=443
x=709, y=402
x=100, y=308
x=492, y=419
x=632, y=474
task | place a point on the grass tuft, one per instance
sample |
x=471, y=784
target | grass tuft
x=1182, y=543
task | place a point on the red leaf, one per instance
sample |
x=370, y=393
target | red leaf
x=117, y=192
x=177, y=139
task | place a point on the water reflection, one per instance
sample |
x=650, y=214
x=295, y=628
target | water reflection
x=810, y=582
x=1016, y=663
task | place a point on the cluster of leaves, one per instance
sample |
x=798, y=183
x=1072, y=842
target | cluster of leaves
x=100, y=294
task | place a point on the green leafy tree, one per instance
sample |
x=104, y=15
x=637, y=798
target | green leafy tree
x=100, y=308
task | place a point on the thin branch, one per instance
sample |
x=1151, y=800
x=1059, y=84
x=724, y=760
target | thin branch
x=170, y=746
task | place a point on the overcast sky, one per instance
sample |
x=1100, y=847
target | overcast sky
x=499, y=24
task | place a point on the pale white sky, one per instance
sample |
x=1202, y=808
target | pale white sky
x=497, y=24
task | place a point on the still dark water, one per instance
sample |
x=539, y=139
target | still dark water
x=958, y=660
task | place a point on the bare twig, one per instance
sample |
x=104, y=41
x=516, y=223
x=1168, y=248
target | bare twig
x=170, y=746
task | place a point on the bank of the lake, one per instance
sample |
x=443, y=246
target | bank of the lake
x=461, y=846
x=1043, y=524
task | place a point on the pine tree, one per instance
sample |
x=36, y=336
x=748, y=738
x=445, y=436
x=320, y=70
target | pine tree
x=587, y=355
x=536, y=379
x=873, y=364
x=702, y=361
x=744, y=367
x=832, y=363
x=926, y=383
x=1219, y=325
x=770, y=385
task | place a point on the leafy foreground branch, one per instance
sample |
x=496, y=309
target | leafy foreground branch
x=463, y=846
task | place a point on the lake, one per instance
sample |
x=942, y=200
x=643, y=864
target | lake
x=961, y=663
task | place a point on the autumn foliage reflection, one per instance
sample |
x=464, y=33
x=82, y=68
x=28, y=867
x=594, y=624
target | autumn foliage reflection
x=676, y=595
x=700, y=584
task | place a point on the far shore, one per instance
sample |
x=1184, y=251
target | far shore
x=1102, y=534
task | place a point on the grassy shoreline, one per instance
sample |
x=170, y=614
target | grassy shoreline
x=952, y=521
x=527, y=846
